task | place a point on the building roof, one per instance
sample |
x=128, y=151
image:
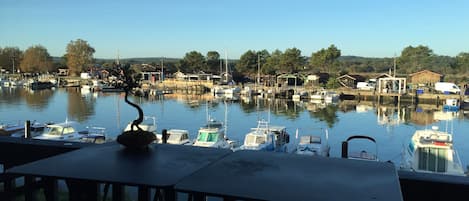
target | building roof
x=353, y=77
x=425, y=71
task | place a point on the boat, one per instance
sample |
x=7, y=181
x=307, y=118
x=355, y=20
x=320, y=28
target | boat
x=148, y=124
x=432, y=151
x=9, y=128
x=266, y=138
x=70, y=131
x=312, y=145
x=360, y=155
x=213, y=135
x=178, y=136
x=226, y=90
x=327, y=96
x=451, y=104
x=298, y=96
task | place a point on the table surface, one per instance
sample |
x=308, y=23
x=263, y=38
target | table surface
x=161, y=165
x=276, y=176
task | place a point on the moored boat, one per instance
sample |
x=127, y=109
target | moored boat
x=266, y=138
x=313, y=145
x=432, y=151
x=71, y=131
x=451, y=104
x=212, y=135
x=178, y=136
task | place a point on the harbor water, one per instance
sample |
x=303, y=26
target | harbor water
x=391, y=125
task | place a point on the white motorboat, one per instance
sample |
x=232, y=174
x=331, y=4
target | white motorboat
x=213, y=135
x=432, y=151
x=70, y=131
x=148, y=124
x=178, y=136
x=327, y=96
x=451, y=104
x=266, y=138
x=312, y=145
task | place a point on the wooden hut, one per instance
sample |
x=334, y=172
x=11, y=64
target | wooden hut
x=350, y=81
x=425, y=77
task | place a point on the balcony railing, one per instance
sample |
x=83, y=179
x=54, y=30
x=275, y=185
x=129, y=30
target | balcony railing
x=243, y=168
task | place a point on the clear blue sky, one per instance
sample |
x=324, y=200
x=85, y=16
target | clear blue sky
x=371, y=28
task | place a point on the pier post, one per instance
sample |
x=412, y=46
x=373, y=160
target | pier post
x=27, y=129
x=164, y=135
x=344, y=149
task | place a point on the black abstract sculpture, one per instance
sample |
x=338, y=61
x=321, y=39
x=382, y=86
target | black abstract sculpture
x=136, y=137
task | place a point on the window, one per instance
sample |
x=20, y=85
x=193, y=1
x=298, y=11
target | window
x=212, y=137
x=202, y=136
x=432, y=159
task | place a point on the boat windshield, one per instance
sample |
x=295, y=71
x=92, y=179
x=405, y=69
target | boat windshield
x=174, y=137
x=254, y=140
x=207, y=137
x=54, y=131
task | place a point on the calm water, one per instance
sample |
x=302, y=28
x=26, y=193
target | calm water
x=391, y=126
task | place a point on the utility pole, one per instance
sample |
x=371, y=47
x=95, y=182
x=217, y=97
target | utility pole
x=394, y=65
x=162, y=77
x=13, y=61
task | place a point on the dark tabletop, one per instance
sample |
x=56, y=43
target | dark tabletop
x=161, y=165
x=276, y=176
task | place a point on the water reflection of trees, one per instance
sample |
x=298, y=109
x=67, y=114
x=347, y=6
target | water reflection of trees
x=37, y=99
x=9, y=96
x=326, y=114
x=80, y=107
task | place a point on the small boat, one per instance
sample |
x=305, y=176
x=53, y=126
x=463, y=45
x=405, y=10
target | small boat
x=312, y=145
x=70, y=131
x=148, y=124
x=363, y=154
x=213, y=135
x=451, y=104
x=266, y=138
x=178, y=136
x=11, y=127
x=432, y=151
x=327, y=96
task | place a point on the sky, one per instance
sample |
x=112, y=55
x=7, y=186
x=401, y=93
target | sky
x=172, y=28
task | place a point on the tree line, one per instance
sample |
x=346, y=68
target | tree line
x=79, y=57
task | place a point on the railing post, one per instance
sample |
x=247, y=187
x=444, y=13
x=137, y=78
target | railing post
x=164, y=135
x=143, y=193
x=29, y=191
x=27, y=129
x=117, y=192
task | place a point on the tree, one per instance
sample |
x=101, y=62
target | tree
x=213, y=61
x=272, y=63
x=291, y=61
x=415, y=58
x=247, y=63
x=192, y=62
x=10, y=58
x=36, y=59
x=462, y=62
x=324, y=59
x=79, y=56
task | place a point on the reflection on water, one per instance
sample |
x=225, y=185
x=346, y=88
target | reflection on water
x=391, y=125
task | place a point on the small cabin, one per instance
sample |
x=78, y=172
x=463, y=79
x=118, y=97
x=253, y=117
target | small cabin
x=425, y=77
x=350, y=81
